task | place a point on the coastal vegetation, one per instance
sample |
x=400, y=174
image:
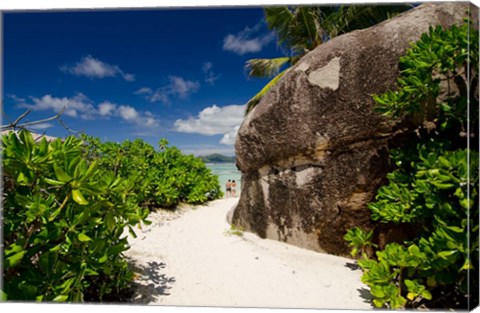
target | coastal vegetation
x=434, y=188
x=67, y=205
x=162, y=178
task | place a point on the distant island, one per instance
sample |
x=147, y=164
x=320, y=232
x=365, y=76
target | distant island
x=217, y=158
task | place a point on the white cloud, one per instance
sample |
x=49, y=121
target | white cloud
x=80, y=106
x=244, y=41
x=127, y=113
x=41, y=126
x=130, y=114
x=16, y=98
x=229, y=138
x=214, y=120
x=210, y=77
x=76, y=106
x=182, y=87
x=128, y=77
x=94, y=68
x=144, y=91
x=177, y=87
x=106, y=108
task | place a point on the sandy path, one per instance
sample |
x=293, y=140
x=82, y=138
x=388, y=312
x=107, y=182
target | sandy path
x=194, y=261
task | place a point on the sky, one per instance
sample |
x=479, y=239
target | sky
x=142, y=73
x=151, y=73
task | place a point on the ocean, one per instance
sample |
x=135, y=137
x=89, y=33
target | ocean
x=226, y=171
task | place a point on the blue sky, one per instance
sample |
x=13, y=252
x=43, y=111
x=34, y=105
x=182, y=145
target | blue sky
x=144, y=73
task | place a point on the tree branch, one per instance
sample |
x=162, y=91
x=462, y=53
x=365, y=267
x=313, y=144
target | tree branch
x=16, y=124
x=68, y=128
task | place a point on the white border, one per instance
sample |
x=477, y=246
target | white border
x=7, y=6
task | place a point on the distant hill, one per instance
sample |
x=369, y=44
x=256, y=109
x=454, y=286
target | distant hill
x=217, y=158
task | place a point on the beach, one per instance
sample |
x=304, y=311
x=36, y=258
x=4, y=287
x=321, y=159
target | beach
x=192, y=257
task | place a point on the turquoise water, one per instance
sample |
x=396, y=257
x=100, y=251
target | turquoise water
x=226, y=171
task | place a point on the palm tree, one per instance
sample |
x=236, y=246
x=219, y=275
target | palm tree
x=302, y=29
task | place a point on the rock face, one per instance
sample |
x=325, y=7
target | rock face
x=313, y=152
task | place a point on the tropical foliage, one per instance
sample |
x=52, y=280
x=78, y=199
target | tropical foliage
x=67, y=205
x=435, y=184
x=301, y=29
x=160, y=178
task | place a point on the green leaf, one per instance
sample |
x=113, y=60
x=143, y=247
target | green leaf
x=103, y=259
x=426, y=294
x=118, y=248
x=78, y=197
x=442, y=186
x=53, y=182
x=60, y=298
x=377, y=291
x=83, y=238
x=447, y=255
x=466, y=203
x=132, y=232
x=13, y=260
x=444, y=162
x=80, y=169
x=61, y=174
x=378, y=303
x=91, y=168
x=466, y=266
x=410, y=284
x=266, y=67
x=3, y=296
x=28, y=289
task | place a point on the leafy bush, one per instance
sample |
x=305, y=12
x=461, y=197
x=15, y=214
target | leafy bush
x=436, y=180
x=440, y=196
x=158, y=178
x=360, y=241
x=63, y=221
x=68, y=203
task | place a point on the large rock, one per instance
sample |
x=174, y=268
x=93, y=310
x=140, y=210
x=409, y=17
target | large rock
x=313, y=152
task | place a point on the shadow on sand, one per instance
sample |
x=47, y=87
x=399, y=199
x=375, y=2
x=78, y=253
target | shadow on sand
x=352, y=265
x=150, y=282
x=364, y=292
x=365, y=295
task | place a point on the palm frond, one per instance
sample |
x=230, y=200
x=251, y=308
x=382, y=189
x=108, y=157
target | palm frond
x=351, y=17
x=256, y=99
x=265, y=67
x=297, y=28
x=307, y=32
x=279, y=19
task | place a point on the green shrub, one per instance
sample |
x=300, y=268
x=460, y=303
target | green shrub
x=63, y=222
x=68, y=203
x=435, y=184
x=441, y=197
x=360, y=241
x=159, y=178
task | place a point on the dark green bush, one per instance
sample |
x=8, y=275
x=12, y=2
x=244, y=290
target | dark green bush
x=63, y=222
x=435, y=185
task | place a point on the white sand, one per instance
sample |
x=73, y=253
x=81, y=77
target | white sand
x=195, y=261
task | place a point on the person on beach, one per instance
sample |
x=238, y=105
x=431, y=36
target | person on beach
x=234, y=186
x=228, y=188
